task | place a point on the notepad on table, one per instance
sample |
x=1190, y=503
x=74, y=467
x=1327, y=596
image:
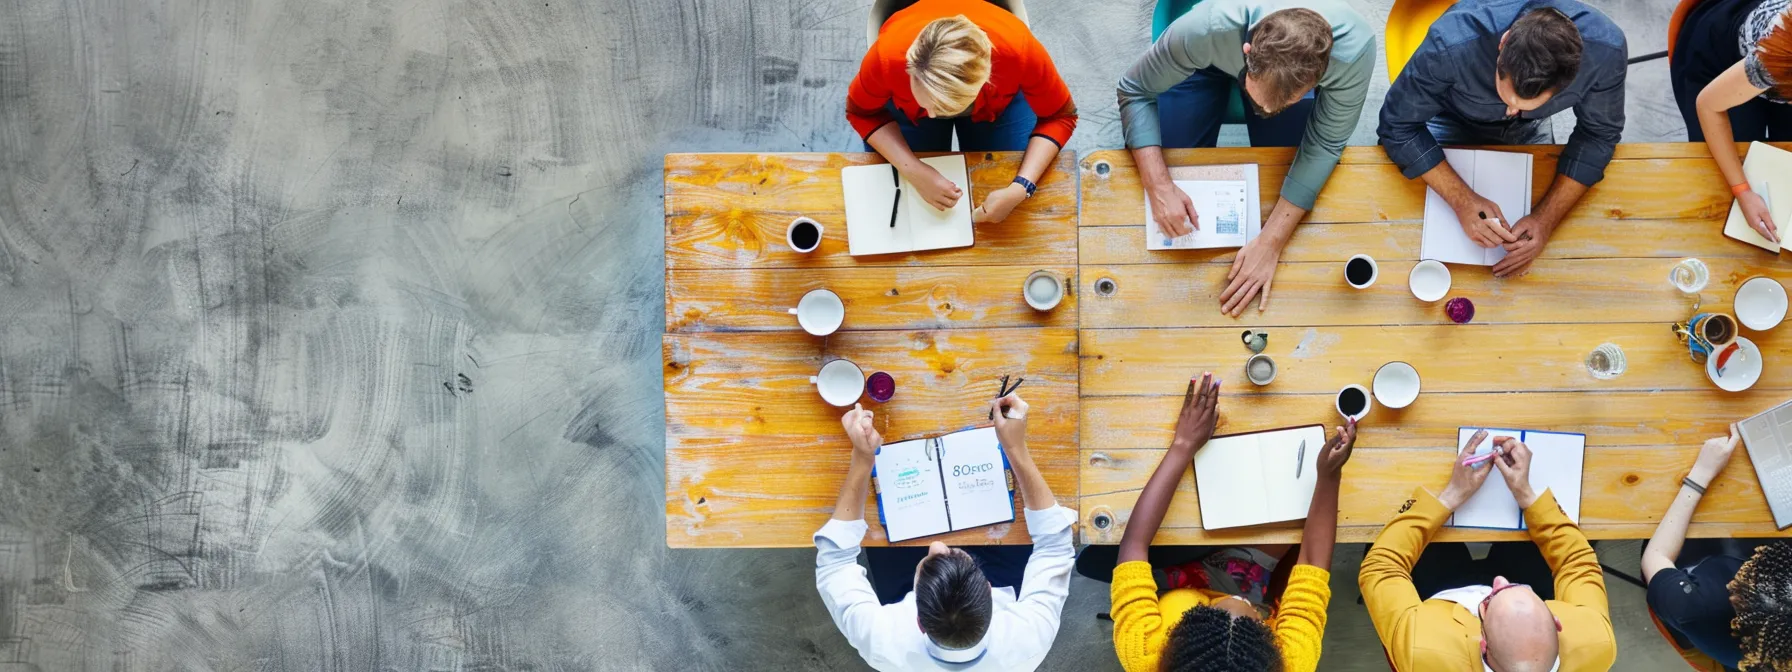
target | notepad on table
x=1226, y=206
x=1258, y=477
x=1501, y=177
x=942, y=484
x=1768, y=439
x=1769, y=172
x=872, y=198
x=1557, y=460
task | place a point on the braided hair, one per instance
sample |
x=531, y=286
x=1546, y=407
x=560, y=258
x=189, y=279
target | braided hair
x=1209, y=639
x=1762, y=595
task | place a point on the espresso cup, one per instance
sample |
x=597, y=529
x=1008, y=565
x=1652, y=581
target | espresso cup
x=1361, y=271
x=1353, y=402
x=820, y=312
x=1043, y=290
x=801, y=231
x=1260, y=369
x=840, y=382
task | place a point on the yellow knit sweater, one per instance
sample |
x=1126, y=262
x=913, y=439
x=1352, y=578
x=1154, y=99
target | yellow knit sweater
x=1142, y=620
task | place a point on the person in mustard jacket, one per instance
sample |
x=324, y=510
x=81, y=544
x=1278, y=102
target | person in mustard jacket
x=1502, y=627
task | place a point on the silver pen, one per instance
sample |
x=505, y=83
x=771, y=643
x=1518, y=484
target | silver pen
x=1300, y=460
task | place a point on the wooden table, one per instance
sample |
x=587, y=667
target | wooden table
x=753, y=455
x=1602, y=278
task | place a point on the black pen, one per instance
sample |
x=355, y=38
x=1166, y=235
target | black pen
x=895, y=178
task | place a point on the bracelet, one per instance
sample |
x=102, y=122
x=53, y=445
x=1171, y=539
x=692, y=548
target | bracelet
x=1688, y=482
x=1739, y=188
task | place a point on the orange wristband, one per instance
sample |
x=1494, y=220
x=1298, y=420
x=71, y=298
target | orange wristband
x=1739, y=188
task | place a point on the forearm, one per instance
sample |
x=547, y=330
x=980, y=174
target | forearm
x=1721, y=141
x=1321, y=529
x=1563, y=193
x=853, y=492
x=1034, y=493
x=1149, y=161
x=1154, y=501
x=890, y=144
x=1283, y=218
x=1447, y=183
x=1041, y=152
x=1664, y=546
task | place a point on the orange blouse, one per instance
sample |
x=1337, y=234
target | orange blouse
x=1020, y=64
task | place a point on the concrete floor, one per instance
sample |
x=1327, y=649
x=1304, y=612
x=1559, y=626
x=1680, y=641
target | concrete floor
x=331, y=328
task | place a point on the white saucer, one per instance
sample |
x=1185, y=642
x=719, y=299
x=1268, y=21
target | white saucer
x=1761, y=303
x=1743, y=370
x=1396, y=384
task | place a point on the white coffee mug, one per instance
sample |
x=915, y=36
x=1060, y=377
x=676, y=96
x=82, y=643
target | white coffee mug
x=1368, y=401
x=840, y=382
x=820, y=312
x=1043, y=290
x=1374, y=271
x=790, y=234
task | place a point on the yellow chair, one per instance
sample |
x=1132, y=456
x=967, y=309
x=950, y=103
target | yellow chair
x=1408, y=22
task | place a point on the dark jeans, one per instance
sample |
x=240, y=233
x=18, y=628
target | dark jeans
x=1008, y=133
x=1452, y=130
x=1704, y=48
x=1448, y=565
x=893, y=567
x=1190, y=114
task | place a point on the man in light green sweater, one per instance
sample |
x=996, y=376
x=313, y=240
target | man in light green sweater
x=1303, y=67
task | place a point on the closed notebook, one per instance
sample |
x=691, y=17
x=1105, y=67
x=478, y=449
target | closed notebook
x=1501, y=177
x=1769, y=172
x=1227, y=207
x=1768, y=439
x=1258, y=477
x=942, y=484
x=1557, y=460
x=872, y=197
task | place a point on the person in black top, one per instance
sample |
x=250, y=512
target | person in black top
x=1730, y=600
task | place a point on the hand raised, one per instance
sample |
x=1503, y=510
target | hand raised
x=1337, y=451
x=1465, y=479
x=1200, y=414
x=1010, y=414
x=865, y=439
x=1713, y=456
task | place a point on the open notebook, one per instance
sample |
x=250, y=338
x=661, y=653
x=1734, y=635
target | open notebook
x=1769, y=172
x=1556, y=462
x=1258, y=477
x=1768, y=439
x=942, y=484
x=1226, y=203
x=872, y=197
x=1501, y=177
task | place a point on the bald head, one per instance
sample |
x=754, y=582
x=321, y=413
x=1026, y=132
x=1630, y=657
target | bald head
x=1520, y=632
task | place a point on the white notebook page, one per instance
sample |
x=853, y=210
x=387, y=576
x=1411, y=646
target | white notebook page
x=1762, y=166
x=1491, y=506
x=1501, y=177
x=1557, y=461
x=931, y=228
x=908, y=478
x=976, y=485
x=869, y=193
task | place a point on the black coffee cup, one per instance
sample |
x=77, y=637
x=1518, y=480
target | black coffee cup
x=1353, y=402
x=804, y=235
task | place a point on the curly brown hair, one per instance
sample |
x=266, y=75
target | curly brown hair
x=1762, y=596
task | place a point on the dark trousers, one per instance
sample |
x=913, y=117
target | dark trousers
x=1704, y=48
x=1008, y=133
x=1190, y=114
x=1452, y=130
x=893, y=567
x=1448, y=565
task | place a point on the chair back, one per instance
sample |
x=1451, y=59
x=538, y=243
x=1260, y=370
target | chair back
x=1408, y=23
x=881, y=10
x=1674, y=22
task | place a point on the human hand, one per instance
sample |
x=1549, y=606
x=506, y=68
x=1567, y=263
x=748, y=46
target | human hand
x=1533, y=234
x=1713, y=456
x=1466, y=479
x=1485, y=231
x=1337, y=451
x=865, y=439
x=1514, y=464
x=1200, y=414
x=935, y=189
x=1754, y=209
x=1011, y=423
x=999, y=203
x=1173, y=210
x=1252, y=271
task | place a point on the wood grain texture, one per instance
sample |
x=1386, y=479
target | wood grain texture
x=732, y=210
x=886, y=297
x=1555, y=291
x=755, y=458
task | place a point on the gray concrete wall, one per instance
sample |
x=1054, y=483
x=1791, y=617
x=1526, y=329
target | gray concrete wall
x=329, y=330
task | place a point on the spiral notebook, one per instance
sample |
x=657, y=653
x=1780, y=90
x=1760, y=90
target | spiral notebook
x=1557, y=460
x=942, y=484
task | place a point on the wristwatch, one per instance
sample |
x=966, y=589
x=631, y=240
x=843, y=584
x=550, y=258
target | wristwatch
x=1026, y=184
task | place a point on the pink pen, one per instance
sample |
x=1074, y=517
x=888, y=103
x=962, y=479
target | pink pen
x=1480, y=435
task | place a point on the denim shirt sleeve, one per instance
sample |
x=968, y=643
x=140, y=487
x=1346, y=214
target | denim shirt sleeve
x=1416, y=96
x=1599, y=120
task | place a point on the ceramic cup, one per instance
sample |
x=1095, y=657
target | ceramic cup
x=803, y=231
x=1260, y=369
x=820, y=312
x=1354, y=398
x=1396, y=384
x=1043, y=290
x=1706, y=332
x=1361, y=271
x=1761, y=303
x=1429, y=280
x=840, y=382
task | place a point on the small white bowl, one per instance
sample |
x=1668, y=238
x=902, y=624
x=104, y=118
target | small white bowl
x=1429, y=280
x=1743, y=370
x=1761, y=303
x=1396, y=384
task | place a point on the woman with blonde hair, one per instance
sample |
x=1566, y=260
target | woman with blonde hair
x=966, y=65
x=1732, y=74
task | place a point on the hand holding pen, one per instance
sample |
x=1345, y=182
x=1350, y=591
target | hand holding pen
x=1466, y=476
x=1003, y=393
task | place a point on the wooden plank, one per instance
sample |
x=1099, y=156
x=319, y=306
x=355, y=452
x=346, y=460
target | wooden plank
x=754, y=457
x=1624, y=492
x=888, y=297
x=732, y=210
x=1607, y=418
x=1450, y=358
x=1629, y=238
x=1555, y=291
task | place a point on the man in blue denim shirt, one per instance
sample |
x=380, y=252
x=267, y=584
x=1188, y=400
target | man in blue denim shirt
x=1494, y=72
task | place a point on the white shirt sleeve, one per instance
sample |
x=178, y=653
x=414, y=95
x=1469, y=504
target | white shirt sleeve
x=1046, y=584
x=841, y=581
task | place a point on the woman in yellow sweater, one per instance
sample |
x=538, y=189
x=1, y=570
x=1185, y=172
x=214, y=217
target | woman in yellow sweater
x=1235, y=627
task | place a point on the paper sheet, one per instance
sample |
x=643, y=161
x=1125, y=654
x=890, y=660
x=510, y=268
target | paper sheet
x=1769, y=172
x=976, y=484
x=1226, y=200
x=1250, y=479
x=908, y=479
x=1557, y=462
x=1501, y=177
